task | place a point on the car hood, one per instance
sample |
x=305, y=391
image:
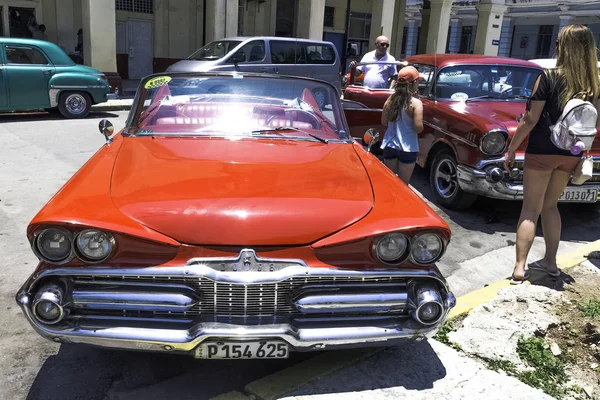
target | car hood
x=192, y=66
x=494, y=113
x=215, y=191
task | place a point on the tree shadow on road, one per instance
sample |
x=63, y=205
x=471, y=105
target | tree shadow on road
x=413, y=366
x=85, y=372
x=45, y=116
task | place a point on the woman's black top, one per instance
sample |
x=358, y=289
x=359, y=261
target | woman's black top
x=549, y=88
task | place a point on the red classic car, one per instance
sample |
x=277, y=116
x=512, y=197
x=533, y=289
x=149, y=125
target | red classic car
x=233, y=218
x=471, y=106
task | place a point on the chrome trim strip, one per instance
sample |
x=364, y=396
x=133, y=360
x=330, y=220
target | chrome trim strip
x=348, y=303
x=448, y=133
x=81, y=87
x=128, y=300
x=53, y=94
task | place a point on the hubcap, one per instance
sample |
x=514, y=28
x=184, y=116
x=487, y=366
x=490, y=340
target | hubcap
x=75, y=104
x=446, y=179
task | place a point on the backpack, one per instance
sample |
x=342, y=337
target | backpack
x=576, y=123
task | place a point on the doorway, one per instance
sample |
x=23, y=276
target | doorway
x=140, y=48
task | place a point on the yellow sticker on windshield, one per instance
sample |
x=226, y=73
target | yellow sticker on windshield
x=157, y=82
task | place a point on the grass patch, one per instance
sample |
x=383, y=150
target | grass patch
x=504, y=365
x=591, y=308
x=442, y=335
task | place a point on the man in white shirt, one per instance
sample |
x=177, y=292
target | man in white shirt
x=377, y=76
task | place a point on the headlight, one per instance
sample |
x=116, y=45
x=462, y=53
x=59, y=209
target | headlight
x=426, y=248
x=94, y=245
x=54, y=244
x=493, y=142
x=392, y=247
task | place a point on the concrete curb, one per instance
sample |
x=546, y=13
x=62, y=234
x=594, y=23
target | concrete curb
x=292, y=378
x=114, y=105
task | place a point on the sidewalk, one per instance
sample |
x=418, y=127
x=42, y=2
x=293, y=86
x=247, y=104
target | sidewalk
x=421, y=370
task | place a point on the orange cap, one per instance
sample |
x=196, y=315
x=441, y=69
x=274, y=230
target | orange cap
x=408, y=74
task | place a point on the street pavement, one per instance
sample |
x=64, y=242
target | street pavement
x=39, y=153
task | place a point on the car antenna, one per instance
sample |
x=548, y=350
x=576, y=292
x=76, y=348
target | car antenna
x=434, y=70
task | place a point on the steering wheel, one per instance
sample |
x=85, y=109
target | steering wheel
x=523, y=91
x=290, y=111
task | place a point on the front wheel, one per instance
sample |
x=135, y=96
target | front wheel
x=74, y=104
x=443, y=180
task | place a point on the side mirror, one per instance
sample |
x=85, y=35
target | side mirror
x=238, y=57
x=107, y=129
x=371, y=137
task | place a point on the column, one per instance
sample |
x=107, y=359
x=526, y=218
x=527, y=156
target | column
x=398, y=29
x=99, y=34
x=437, y=33
x=489, y=21
x=66, y=36
x=411, y=38
x=455, y=33
x=422, y=39
x=506, y=37
x=382, y=20
x=221, y=19
x=310, y=18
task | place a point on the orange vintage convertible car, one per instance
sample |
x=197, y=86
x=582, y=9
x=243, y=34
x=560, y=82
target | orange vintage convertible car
x=471, y=105
x=233, y=218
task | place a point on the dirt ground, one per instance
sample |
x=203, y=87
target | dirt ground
x=577, y=335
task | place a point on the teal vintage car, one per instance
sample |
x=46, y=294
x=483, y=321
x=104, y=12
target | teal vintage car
x=36, y=74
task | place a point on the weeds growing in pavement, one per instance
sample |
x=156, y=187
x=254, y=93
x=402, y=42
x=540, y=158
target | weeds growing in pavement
x=548, y=373
x=442, y=335
x=591, y=308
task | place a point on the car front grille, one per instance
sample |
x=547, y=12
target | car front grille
x=247, y=303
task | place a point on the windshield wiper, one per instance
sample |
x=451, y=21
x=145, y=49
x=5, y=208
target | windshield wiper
x=518, y=96
x=485, y=96
x=287, y=128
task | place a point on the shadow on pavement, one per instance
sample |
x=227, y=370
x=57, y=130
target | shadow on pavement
x=557, y=283
x=45, y=116
x=492, y=215
x=84, y=372
x=414, y=366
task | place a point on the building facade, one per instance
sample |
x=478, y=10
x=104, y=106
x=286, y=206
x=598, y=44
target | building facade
x=138, y=37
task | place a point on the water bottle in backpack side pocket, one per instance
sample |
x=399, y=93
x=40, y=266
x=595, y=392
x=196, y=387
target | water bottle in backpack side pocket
x=577, y=148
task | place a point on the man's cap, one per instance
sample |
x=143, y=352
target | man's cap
x=408, y=75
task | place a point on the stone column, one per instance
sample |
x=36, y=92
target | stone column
x=487, y=38
x=99, y=34
x=455, y=33
x=310, y=19
x=411, y=38
x=506, y=37
x=422, y=39
x=382, y=20
x=398, y=29
x=439, y=20
x=221, y=19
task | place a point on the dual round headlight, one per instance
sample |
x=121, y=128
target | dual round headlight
x=493, y=142
x=424, y=248
x=57, y=245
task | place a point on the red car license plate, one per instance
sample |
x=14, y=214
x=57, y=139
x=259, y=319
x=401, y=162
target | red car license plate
x=243, y=350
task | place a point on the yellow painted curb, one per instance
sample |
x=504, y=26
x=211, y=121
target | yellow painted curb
x=231, y=396
x=290, y=379
x=576, y=257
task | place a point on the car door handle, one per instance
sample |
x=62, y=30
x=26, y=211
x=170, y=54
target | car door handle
x=47, y=71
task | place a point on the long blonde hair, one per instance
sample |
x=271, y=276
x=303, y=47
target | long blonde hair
x=578, y=63
x=400, y=99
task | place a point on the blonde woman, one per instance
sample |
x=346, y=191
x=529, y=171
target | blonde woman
x=403, y=115
x=547, y=169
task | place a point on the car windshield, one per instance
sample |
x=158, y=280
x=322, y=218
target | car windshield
x=237, y=105
x=485, y=82
x=214, y=50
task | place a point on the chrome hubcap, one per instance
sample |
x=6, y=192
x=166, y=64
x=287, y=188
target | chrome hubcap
x=76, y=104
x=446, y=179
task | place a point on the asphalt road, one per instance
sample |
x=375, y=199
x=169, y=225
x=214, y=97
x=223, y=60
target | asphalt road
x=39, y=152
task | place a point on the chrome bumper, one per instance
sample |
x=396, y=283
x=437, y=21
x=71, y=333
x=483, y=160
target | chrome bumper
x=368, y=324
x=477, y=180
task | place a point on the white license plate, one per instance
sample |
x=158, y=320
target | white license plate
x=579, y=195
x=243, y=350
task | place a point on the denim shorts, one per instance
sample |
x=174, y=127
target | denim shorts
x=405, y=157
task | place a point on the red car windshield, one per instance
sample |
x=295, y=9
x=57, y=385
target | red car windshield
x=237, y=105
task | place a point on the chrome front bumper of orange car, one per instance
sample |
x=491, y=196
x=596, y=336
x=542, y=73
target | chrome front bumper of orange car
x=175, y=309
